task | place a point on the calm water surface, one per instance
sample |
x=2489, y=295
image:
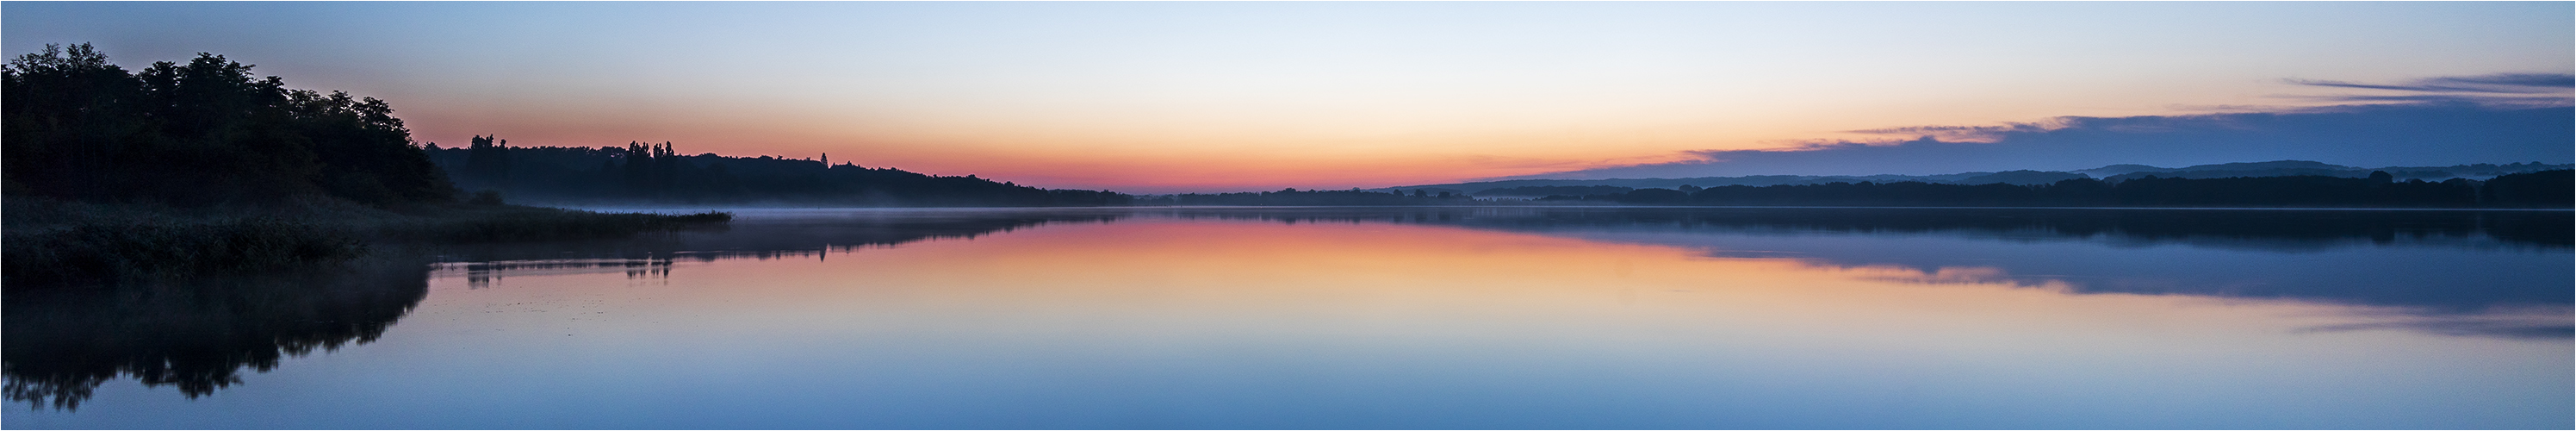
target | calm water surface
x=1364, y=318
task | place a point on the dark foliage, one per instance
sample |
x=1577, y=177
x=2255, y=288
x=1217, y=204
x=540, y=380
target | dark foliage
x=657, y=173
x=202, y=168
x=2549, y=189
x=200, y=133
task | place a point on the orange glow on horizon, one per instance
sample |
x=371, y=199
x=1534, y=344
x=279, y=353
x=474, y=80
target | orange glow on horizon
x=1073, y=162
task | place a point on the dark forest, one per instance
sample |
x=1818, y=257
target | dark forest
x=186, y=170
x=198, y=133
x=658, y=173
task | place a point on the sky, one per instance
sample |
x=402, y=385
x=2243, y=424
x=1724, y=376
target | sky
x=1153, y=97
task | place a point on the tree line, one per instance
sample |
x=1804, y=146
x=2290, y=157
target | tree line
x=2545, y=189
x=197, y=133
x=658, y=173
x=210, y=132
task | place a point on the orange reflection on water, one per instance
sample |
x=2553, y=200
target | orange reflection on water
x=1227, y=278
x=1271, y=298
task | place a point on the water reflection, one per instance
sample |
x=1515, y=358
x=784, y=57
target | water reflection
x=767, y=233
x=920, y=312
x=2260, y=229
x=777, y=234
x=197, y=335
x=1286, y=319
x=2087, y=250
x=481, y=274
x=2436, y=262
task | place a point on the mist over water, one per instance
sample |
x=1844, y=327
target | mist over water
x=1367, y=318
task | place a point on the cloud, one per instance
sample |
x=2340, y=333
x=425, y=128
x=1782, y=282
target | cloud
x=2497, y=118
x=2496, y=83
x=2479, y=99
x=1962, y=133
x=2426, y=132
x=2524, y=321
x=2559, y=80
x=2502, y=89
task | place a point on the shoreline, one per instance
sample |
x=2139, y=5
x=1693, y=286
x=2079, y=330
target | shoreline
x=65, y=244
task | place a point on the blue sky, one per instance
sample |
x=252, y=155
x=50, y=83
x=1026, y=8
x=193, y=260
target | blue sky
x=1173, y=96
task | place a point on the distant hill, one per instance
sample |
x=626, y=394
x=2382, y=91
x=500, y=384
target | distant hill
x=2544, y=189
x=2112, y=173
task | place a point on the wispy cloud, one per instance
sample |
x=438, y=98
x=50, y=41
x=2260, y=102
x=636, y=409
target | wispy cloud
x=1966, y=133
x=2502, y=89
x=2496, y=83
x=2542, y=322
x=2559, y=80
x=2479, y=99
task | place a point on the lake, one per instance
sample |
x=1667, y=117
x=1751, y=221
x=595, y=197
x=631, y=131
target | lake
x=1329, y=318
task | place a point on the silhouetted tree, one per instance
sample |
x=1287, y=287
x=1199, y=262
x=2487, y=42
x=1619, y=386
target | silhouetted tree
x=487, y=163
x=203, y=132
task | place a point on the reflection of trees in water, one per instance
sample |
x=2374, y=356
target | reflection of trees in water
x=769, y=239
x=481, y=274
x=651, y=256
x=197, y=335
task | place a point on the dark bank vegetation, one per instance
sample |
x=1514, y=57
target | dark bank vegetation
x=202, y=167
x=642, y=173
x=2545, y=189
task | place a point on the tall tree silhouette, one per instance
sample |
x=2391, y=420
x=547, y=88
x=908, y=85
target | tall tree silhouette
x=207, y=131
x=487, y=164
